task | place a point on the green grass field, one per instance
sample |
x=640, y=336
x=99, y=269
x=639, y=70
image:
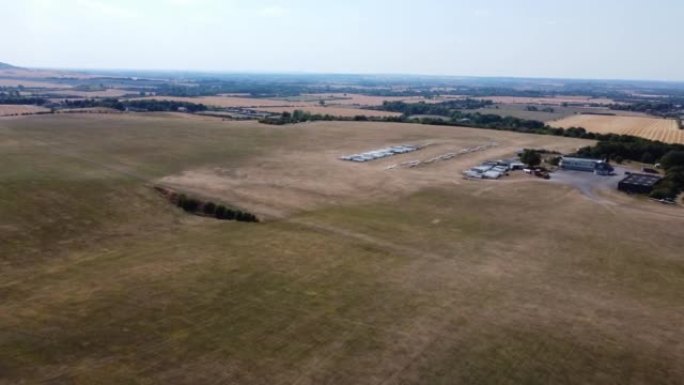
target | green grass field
x=103, y=282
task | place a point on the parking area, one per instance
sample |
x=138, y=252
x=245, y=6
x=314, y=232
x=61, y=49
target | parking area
x=587, y=182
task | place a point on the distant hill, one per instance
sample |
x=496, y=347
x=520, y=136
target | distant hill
x=5, y=66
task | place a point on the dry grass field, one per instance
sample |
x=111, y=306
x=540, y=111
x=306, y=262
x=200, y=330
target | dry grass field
x=312, y=176
x=13, y=109
x=664, y=130
x=359, y=275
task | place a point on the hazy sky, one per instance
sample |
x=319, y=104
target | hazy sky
x=627, y=39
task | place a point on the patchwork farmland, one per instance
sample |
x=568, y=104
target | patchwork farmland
x=664, y=130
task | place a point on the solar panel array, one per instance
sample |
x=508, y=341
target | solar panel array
x=641, y=179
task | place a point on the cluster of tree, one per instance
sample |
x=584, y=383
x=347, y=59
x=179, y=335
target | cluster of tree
x=673, y=182
x=142, y=105
x=297, y=116
x=622, y=147
x=544, y=109
x=91, y=103
x=164, y=105
x=531, y=157
x=211, y=209
x=447, y=108
x=15, y=97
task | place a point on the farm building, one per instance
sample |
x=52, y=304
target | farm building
x=596, y=166
x=638, y=183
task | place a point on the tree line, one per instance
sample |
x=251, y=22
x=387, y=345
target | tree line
x=14, y=97
x=141, y=105
x=211, y=209
x=300, y=116
x=442, y=109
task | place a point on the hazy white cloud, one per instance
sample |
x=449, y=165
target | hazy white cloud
x=273, y=11
x=188, y=3
x=107, y=9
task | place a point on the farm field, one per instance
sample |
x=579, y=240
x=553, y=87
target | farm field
x=14, y=109
x=520, y=111
x=559, y=100
x=341, y=99
x=560, y=112
x=231, y=101
x=12, y=82
x=274, y=105
x=359, y=274
x=664, y=130
x=332, y=110
x=109, y=93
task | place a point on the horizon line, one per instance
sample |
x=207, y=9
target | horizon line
x=360, y=74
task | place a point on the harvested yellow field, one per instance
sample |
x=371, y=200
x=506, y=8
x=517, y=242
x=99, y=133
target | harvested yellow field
x=664, y=130
x=335, y=111
x=230, y=101
x=11, y=109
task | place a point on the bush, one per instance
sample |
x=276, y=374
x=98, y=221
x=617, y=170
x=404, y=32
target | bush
x=530, y=157
x=209, y=208
x=648, y=158
x=181, y=200
x=191, y=205
x=555, y=161
x=220, y=212
x=672, y=159
x=663, y=192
